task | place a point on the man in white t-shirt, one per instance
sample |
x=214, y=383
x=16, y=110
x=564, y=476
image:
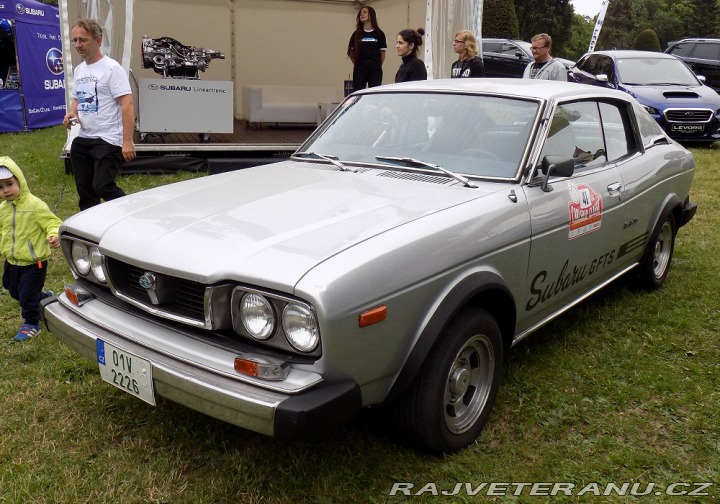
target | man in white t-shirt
x=102, y=105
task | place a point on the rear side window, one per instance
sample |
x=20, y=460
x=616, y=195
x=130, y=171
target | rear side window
x=493, y=47
x=619, y=141
x=682, y=49
x=511, y=49
x=706, y=51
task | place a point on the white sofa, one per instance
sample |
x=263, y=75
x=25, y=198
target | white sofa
x=286, y=104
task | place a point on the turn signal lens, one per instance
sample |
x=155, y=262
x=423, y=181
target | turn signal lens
x=260, y=367
x=373, y=316
x=77, y=295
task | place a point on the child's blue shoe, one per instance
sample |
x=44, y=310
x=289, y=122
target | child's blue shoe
x=26, y=332
x=46, y=294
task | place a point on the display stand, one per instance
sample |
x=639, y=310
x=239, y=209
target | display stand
x=184, y=106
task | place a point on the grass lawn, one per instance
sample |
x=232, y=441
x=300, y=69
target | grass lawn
x=625, y=388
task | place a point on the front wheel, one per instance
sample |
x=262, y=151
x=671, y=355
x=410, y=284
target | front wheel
x=655, y=264
x=448, y=404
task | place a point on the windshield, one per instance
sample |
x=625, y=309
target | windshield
x=655, y=71
x=483, y=136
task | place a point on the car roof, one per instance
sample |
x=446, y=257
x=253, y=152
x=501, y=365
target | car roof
x=700, y=39
x=520, y=88
x=627, y=53
x=492, y=39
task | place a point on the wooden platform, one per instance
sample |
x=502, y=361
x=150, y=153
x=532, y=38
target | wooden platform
x=268, y=138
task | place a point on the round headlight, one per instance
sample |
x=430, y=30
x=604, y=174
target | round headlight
x=301, y=327
x=257, y=316
x=96, y=259
x=81, y=257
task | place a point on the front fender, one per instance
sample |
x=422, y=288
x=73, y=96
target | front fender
x=485, y=289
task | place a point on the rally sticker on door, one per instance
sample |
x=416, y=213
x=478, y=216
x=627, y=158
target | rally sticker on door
x=585, y=209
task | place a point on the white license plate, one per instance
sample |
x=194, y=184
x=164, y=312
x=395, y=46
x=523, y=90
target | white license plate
x=126, y=371
x=688, y=128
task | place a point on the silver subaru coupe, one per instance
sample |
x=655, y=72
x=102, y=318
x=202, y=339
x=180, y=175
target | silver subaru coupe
x=421, y=231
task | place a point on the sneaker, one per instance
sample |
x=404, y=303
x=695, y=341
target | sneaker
x=26, y=332
x=46, y=294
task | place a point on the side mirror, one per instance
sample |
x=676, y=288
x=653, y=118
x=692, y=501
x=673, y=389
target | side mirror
x=556, y=166
x=602, y=78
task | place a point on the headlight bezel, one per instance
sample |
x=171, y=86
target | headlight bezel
x=85, y=259
x=279, y=337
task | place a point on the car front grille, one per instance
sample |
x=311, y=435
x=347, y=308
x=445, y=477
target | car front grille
x=688, y=115
x=180, y=298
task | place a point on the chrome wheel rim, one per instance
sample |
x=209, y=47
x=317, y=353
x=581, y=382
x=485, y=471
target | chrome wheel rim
x=663, y=250
x=468, y=384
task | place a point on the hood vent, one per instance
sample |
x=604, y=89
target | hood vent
x=683, y=95
x=417, y=177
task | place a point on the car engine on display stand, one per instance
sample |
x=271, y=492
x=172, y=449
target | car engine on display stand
x=170, y=58
x=180, y=102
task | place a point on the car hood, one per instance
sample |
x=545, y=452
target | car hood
x=272, y=222
x=675, y=96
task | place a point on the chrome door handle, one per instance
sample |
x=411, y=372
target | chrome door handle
x=614, y=189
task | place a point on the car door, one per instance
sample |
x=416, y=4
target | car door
x=491, y=57
x=705, y=60
x=577, y=222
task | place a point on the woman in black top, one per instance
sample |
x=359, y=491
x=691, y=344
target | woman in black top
x=469, y=64
x=412, y=68
x=366, y=50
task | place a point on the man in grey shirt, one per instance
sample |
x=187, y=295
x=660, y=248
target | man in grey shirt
x=544, y=66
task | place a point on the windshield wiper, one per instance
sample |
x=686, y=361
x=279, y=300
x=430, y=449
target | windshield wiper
x=411, y=161
x=330, y=159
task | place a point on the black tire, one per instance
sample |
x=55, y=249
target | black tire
x=450, y=400
x=655, y=264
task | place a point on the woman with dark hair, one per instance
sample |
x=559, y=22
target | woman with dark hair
x=366, y=50
x=411, y=68
x=468, y=64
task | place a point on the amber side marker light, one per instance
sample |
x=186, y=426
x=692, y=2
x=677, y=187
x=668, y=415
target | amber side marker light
x=372, y=316
x=265, y=369
x=77, y=295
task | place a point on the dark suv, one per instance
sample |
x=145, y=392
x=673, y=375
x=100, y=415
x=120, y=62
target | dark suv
x=702, y=55
x=508, y=58
x=504, y=57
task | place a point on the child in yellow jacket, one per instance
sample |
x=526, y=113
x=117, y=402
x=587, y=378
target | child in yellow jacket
x=28, y=229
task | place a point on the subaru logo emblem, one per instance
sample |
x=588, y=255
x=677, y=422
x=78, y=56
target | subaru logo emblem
x=54, y=61
x=20, y=9
x=147, y=280
x=689, y=114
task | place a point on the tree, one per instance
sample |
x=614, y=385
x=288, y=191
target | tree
x=553, y=17
x=647, y=40
x=704, y=19
x=499, y=19
x=580, y=34
x=618, y=27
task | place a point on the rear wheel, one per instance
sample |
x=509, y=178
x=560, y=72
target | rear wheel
x=448, y=404
x=655, y=265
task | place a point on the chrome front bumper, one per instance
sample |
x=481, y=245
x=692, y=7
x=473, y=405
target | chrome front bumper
x=270, y=412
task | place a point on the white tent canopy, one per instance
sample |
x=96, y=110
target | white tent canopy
x=270, y=41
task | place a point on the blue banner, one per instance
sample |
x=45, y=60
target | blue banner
x=40, y=58
x=38, y=45
x=11, y=118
